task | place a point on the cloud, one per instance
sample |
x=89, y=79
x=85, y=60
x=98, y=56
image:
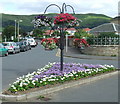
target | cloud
x=107, y=7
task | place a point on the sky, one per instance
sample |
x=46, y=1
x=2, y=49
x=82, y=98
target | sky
x=28, y=7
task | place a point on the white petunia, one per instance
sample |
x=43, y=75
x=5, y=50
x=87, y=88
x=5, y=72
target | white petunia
x=21, y=84
x=33, y=81
x=25, y=83
x=111, y=66
x=41, y=81
x=76, y=75
x=44, y=79
x=62, y=78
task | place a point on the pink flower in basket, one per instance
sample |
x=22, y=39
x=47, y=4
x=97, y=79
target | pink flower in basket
x=64, y=18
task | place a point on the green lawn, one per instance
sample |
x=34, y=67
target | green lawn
x=99, y=17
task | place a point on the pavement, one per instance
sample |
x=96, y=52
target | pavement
x=76, y=53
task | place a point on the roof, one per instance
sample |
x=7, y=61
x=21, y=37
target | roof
x=107, y=27
x=48, y=32
x=71, y=29
x=118, y=17
x=86, y=29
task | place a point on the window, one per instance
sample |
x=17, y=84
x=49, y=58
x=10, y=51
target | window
x=1, y=46
x=6, y=44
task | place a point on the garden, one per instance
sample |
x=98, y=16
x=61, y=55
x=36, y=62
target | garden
x=51, y=75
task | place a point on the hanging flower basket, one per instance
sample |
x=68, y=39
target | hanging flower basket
x=42, y=20
x=66, y=19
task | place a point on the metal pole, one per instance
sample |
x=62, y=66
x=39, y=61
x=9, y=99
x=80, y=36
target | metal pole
x=61, y=46
x=62, y=38
x=18, y=28
x=15, y=29
x=18, y=31
x=66, y=42
x=61, y=30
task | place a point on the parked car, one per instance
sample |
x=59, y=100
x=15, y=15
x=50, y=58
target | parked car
x=27, y=44
x=3, y=50
x=24, y=45
x=32, y=42
x=12, y=47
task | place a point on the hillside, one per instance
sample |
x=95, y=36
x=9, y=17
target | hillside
x=89, y=20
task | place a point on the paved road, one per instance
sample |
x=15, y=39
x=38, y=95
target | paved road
x=20, y=64
x=104, y=90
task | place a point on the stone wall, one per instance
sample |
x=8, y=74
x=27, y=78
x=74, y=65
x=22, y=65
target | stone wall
x=102, y=50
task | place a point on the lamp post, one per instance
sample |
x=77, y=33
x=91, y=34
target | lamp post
x=61, y=28
x=15, y=29
x=18, y=28
x=67, y=21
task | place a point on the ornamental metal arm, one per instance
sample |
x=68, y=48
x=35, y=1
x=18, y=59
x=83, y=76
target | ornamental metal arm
x=52, y=5
x=63, y=7
x=71, y=8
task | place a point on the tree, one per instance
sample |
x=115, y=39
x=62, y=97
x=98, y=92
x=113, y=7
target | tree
x=80, y=33
x=8, y=32
x=24, y=34
x=38, y=32
x=56, y=33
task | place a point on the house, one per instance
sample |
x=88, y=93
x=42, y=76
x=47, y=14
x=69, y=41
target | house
x=71, y=31
x=87, y=30
x=107, y=27
x=116, y=20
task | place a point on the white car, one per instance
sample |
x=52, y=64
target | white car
x=32, y=42
x=12, y=47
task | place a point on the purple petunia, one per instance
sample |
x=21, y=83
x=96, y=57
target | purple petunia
x=67, y=68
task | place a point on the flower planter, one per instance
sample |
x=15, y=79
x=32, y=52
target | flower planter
x=51, y=75
x=40, y=92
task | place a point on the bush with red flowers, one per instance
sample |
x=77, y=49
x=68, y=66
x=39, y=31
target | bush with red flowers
x=80, y=43
x=49, y=43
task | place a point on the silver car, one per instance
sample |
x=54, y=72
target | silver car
x=12, y=47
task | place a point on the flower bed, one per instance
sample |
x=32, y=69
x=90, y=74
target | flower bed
x=51, y=75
